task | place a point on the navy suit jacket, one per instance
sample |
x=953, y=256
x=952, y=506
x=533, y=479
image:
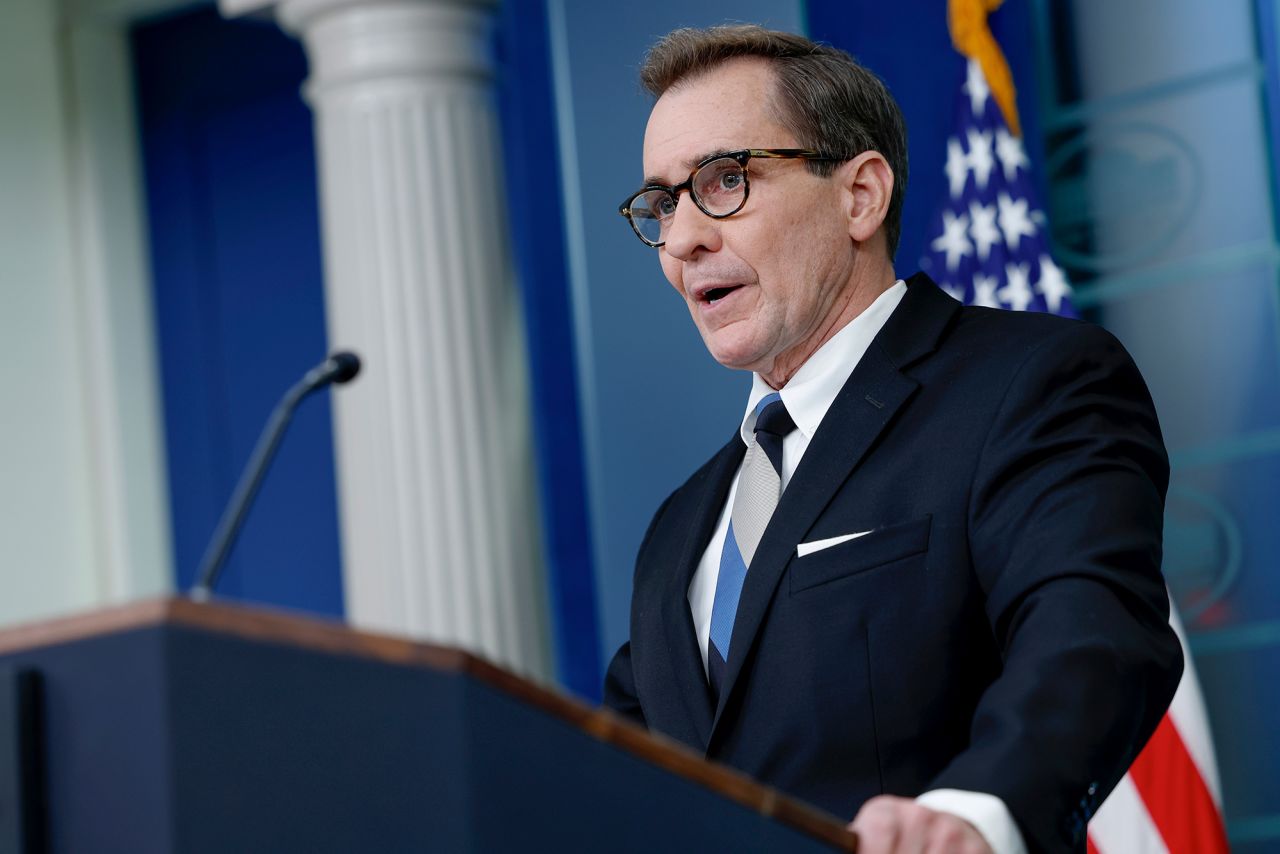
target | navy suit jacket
x=1003, y=629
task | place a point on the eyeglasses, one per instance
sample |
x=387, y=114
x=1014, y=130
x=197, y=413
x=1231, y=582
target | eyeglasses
x=718, y=185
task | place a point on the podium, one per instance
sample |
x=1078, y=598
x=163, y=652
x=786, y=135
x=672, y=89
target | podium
x=172, y=726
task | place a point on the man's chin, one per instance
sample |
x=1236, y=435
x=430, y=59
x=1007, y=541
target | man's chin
x=737, y=358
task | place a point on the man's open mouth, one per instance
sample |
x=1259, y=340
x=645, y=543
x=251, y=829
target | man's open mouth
x=716, y=294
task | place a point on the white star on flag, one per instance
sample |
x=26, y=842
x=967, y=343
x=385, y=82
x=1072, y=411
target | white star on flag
x=1011, y=154
x=954, y=242
x=980, y=159
x=1053, y=284
x=982, y=227
x=1018, y=292
x=984, y=290
x=1014, y=221
x=990, y=244
x=976, y=88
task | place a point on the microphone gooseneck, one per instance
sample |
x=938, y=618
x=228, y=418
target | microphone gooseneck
x=339, y=368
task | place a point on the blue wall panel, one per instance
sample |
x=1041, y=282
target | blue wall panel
x=1200, y=391
x=532, y=166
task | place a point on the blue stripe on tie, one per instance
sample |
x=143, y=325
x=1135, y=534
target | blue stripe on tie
x=728, y=589
x=765, y=401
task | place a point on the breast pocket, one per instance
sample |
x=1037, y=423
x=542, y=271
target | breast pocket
x=877, y=548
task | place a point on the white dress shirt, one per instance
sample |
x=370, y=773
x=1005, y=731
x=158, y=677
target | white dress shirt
x=808, y=396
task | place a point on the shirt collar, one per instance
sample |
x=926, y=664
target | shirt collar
x=814, y=387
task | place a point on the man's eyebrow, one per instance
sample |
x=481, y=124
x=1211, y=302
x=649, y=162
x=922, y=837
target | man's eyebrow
x=690, y=164
x=702, y=158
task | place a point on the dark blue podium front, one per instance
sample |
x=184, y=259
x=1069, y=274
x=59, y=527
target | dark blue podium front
x=171, y=726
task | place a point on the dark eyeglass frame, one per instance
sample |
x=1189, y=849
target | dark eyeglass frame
x=742, y=157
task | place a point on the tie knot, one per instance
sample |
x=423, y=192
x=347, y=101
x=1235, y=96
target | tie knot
x=774, y=418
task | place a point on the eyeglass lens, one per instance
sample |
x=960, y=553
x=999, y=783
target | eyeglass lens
x=719, y=188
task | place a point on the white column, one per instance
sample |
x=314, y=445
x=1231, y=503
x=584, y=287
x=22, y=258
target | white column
x=433, y=440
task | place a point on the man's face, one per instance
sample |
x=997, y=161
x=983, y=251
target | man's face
x=765, y=285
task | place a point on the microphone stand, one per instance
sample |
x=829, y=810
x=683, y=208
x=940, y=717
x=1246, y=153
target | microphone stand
x=338, y=368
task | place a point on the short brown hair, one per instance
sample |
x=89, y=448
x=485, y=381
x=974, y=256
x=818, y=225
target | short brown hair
x=824, y=97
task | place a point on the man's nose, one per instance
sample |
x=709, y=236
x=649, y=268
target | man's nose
x=691, y=230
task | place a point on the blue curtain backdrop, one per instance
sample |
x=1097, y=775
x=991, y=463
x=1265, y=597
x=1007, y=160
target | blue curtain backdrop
x=229, y=167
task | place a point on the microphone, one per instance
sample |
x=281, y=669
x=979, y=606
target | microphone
x=338, y=368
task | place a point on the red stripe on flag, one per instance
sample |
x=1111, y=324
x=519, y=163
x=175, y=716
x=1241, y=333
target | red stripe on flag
x=1093, y=849
x=1175, y=795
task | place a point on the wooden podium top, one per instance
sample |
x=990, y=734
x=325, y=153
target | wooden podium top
x=260, y=624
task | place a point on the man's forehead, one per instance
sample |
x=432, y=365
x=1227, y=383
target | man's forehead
x=725, y=109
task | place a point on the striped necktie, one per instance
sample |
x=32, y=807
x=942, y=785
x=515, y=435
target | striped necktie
x=759, y=487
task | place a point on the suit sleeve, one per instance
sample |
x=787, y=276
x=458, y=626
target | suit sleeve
x=620, y=687
x=620, y=692
x=1065, y=522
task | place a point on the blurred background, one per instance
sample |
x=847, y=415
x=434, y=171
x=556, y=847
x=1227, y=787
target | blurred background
x=198, y=202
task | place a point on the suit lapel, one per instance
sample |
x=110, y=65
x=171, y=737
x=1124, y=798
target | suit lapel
x=681, y=639
x=870, y=399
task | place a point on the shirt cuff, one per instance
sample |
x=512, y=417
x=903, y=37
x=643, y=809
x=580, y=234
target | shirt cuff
x=987, y=813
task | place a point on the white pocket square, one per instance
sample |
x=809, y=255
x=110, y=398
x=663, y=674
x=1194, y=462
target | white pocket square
x=818, y=545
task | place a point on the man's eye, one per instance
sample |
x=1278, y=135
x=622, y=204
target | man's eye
x=731, y=181
x=665, y=207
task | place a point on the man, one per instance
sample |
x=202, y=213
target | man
x=920, y=585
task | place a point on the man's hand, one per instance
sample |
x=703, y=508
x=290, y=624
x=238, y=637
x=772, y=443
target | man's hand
x=889, y=825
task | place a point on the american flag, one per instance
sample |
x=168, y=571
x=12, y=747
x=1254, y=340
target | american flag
x=992, y=249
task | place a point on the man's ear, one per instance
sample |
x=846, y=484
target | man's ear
x=868, y=182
